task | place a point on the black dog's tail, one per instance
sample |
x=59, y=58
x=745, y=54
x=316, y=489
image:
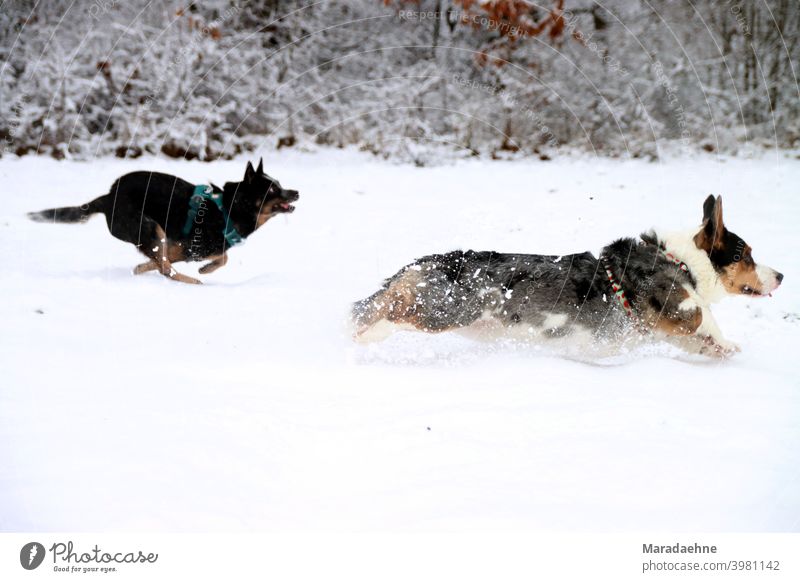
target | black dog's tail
x=69, y=214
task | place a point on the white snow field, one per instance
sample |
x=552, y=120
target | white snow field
x=133, y=403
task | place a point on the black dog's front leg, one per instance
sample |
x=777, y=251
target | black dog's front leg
x=154, y=244
x=214, y=264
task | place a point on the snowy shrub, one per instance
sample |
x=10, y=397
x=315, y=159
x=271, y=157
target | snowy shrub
x=400, y=78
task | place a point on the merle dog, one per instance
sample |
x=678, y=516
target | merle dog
x=662, y=283
x=171, y=220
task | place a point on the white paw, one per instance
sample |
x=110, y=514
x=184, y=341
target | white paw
x=719, y=348
x=729, y=346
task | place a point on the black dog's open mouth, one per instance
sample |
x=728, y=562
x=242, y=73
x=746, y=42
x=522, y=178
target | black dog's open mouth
x=282, y=207
x=283, y=203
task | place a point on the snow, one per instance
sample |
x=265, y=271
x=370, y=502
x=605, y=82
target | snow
x=137, y=403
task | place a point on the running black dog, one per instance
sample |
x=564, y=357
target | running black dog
x=171, y=220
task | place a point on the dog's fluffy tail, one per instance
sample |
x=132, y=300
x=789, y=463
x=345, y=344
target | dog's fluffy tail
x=69, y=214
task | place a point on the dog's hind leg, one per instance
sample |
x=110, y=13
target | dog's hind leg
x=216, y=263
x=379, y=315
x=154, y=244
x=365, y=316
x=145, y=267
x=420, y=297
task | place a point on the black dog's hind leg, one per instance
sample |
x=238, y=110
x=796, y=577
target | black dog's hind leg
x=154, y=244
x=214, y=264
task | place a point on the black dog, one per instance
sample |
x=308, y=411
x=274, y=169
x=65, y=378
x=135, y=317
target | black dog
x=171, y=220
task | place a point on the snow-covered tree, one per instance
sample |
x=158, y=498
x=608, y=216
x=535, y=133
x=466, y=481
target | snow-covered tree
x=400, y=78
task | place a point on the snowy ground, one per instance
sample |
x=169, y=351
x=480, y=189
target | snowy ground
x=137, y=403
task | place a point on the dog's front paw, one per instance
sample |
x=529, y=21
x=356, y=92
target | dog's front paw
x=729, y=347
x=719, y=348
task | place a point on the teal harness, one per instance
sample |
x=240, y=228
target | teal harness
x=199, y=196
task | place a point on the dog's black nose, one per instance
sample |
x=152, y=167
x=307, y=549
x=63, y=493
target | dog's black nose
x=779, y=277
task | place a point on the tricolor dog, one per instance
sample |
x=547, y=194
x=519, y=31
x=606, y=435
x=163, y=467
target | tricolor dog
x=662, y=284
x=171, y=220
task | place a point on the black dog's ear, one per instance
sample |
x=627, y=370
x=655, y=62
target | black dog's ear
x=249, y=172
x=260, y=169
x=710, y=237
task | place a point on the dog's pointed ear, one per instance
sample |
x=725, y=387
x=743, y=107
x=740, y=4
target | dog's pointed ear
x=260, y=169
x=710, y=236
x=712, y=211
x=249, y=172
